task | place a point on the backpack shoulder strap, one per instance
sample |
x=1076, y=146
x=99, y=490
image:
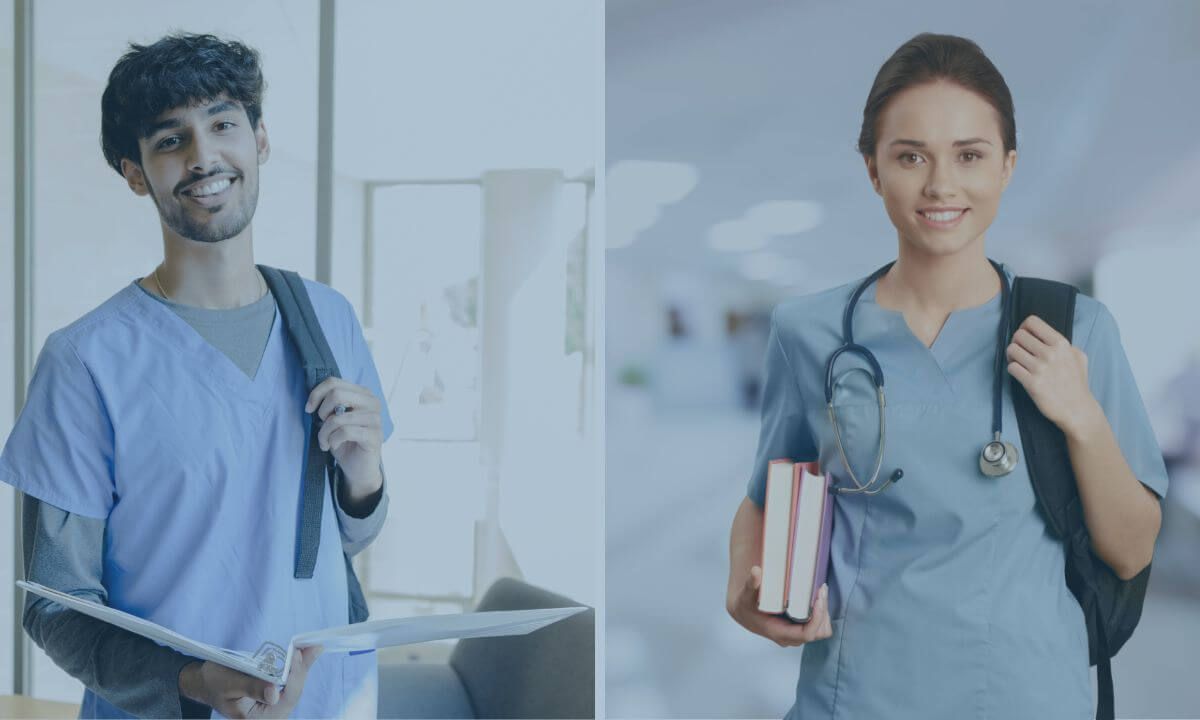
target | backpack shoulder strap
x=1053, y=478
x=300, y=319
x=298, y=316
x=1044, y=444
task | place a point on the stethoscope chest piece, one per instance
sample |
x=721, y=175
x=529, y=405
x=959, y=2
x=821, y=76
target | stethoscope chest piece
x=998, y=458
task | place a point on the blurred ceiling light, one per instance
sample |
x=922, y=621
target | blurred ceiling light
x=771, y=267
x=637, y=190
x=784, y=217
x=735, y=236
x=760, y=265
x=763, y=221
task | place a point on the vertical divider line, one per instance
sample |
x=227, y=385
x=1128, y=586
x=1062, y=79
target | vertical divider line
x=325, y=169
x=22, y=292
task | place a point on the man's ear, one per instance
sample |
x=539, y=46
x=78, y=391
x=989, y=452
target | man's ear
x=134, y=176
x=262, y=141
x=873, y=173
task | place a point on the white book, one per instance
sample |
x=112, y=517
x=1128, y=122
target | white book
x=776, y=541
x=271, y=663
x=807, y=546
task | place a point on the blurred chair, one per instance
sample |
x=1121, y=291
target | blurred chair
x=549, y=673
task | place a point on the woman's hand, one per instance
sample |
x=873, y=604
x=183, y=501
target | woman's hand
x=743, y=607
x=1053, y=372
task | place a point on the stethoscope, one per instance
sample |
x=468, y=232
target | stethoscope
x=998, y=458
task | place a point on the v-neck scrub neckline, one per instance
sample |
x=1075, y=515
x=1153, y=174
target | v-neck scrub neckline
x=219, y=366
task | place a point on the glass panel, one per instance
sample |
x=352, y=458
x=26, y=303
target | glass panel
x=426, y=333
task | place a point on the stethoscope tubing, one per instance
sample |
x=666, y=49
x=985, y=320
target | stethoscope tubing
x=876, y=373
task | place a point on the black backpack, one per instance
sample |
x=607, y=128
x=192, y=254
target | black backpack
x=296, y=311
x=1111, y=606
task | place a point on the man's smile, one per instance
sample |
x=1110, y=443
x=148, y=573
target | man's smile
x=209, y=192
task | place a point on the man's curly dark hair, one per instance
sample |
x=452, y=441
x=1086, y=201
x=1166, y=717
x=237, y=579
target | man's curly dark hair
x=178, y=70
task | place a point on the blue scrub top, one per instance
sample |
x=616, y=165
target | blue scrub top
x=134, y=418
x=946, y=591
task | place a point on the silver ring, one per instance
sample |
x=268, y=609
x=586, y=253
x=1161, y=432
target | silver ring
x=341, y=409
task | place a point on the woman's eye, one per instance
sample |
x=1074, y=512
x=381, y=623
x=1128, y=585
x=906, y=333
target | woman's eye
x=909, y=158
x=972, y=155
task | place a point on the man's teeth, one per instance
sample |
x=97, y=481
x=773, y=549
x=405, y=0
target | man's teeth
x=943, y=216
x=211, y=188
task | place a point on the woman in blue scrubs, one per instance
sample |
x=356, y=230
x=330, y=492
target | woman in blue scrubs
x=946, y=595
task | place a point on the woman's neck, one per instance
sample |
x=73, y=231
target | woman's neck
x=936, y=285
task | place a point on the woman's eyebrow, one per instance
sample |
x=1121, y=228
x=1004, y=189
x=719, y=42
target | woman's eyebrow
x=957, y=143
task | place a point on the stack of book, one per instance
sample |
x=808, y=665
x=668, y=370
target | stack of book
x=797, y=521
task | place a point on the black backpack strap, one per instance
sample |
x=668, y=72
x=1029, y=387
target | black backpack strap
x=1044, y=445
x=1104, y=704
x=1050, y=469
x=317, y=360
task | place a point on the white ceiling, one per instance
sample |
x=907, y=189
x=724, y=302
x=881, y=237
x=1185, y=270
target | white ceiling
x=764, y=100
x=423, y=90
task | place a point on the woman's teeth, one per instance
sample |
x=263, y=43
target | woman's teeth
x=942, y=216
x=211, y=188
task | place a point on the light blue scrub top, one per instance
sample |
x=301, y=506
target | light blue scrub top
x=134, y=418
x=946, y=590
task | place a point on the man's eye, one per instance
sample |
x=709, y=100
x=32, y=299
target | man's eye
x=168, y=142
x=224, y=125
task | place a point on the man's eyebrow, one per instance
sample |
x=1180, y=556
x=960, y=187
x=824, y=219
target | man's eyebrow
x=218, y=108
x=173, y=122
x=957, y=143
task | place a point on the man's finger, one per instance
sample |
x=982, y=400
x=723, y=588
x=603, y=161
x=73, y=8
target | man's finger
x=319, y=392
x=352, y=396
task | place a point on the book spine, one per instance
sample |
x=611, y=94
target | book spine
x=797, y=478
x=820, y=570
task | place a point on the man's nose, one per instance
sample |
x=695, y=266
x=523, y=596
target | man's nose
x=203, y=155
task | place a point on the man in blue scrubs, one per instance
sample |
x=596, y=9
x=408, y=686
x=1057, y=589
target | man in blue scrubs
x=161, y=446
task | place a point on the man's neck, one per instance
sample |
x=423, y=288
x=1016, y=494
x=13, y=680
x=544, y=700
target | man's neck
x=218, y=276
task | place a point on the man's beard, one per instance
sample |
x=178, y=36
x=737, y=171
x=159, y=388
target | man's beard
x=214, y=231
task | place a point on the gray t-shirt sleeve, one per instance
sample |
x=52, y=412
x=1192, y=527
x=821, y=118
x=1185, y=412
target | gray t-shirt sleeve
x=360, y=525
x=63, y=551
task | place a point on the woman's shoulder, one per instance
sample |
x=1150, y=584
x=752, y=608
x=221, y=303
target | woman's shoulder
x=815, y=317
x=820, y=308
x=1094, y=325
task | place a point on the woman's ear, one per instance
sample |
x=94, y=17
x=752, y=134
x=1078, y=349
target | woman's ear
x=873, y=173
x=134, y=177
x=1010, y=164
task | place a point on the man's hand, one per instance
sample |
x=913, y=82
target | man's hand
x=355, y=437
x=743, y=607
x=237, y=695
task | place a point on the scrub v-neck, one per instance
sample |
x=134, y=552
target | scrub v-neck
x=949, y=337
x=217, y=364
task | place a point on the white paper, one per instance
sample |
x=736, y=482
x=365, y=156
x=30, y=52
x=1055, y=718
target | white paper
x=346, y=638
